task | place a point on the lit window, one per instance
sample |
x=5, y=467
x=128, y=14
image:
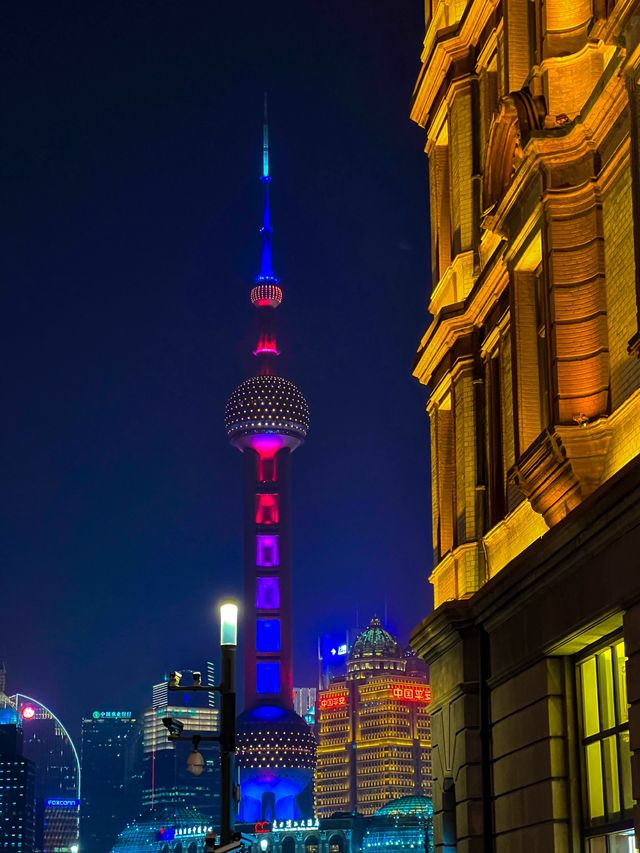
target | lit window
x=267, y=469
x=267, y=593
x=267, y=677
x=606, y=756
x=267, y=509
x=267, y=551
x=268, y=635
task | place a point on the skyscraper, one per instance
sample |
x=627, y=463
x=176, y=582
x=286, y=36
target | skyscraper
x=304, y=703
x=17, y=791
x=167, y=783
x=267, y=418
x=374, y=735
x=57, y=775
x=110, y=785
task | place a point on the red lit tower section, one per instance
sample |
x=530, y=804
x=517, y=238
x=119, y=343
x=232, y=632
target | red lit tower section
x=267, y=418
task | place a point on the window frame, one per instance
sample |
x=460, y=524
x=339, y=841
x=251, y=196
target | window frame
x=592, y=828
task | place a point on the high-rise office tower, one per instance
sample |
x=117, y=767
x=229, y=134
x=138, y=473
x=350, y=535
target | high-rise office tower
x=374, y=734
x=17, y=792
x=110, y=781
x=166, y=781
x=304, y=703
x=49, y=746
x=267, y=418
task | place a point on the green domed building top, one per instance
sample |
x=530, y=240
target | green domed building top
x=375, y=648
x=403, y=806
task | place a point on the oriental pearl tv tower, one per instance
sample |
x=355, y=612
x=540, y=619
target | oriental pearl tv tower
x=267, y=418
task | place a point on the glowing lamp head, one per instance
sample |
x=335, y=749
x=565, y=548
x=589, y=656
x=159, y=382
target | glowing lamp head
x=28, y=712
x=228, y=624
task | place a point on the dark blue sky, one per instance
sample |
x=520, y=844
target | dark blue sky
x=130, y=161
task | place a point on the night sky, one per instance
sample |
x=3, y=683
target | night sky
x=130, y=163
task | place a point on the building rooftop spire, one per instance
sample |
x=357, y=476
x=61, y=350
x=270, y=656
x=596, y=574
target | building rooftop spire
x=266, y=266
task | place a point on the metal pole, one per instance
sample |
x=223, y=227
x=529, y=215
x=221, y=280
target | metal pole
x=227, y=742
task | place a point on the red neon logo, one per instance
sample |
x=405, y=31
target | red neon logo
x=28, y=712
x=411, y=694
x=333, y=700
x=261, y=827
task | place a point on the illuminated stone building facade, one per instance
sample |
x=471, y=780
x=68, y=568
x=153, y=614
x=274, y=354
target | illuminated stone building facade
x=373, y=729
x=531, y=112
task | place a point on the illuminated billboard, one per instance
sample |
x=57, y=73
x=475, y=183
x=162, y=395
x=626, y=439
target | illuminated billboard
x=411, y=693
x=328, y=701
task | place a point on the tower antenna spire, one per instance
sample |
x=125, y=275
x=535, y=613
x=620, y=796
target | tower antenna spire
x=266, y=265
x=265, y=139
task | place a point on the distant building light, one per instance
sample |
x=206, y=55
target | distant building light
x=112, y=715
x=407, y=693
x=284, y=825
x=333, y=700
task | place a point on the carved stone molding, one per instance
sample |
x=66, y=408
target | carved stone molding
x=519, y=114
x=562, y=467
x=545, y=477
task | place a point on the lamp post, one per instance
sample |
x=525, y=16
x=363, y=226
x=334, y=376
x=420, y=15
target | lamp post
x=228, y=644
x=227, y=736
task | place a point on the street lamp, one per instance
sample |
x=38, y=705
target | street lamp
x=227, y=736
x=228, y=644
x=229, y=624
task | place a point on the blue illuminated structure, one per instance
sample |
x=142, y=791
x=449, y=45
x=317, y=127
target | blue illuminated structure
x=401, y=825
x=267, y=418
x=166, y=830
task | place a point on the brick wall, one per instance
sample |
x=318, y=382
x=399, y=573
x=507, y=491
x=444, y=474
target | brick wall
x=620, y=287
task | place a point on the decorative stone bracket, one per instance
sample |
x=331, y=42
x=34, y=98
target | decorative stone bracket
x=562, y=467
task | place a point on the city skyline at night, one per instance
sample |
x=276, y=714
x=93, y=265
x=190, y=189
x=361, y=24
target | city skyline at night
x=130, y=245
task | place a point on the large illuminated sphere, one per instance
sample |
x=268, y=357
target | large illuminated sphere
x=266, y=405
x=276, y=754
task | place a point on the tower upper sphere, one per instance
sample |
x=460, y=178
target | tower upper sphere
x=267, y=404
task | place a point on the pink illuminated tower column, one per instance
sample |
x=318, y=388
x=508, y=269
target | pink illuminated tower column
x=267, y=418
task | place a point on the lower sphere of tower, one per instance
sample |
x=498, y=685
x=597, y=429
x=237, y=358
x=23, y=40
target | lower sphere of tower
x=276, y=754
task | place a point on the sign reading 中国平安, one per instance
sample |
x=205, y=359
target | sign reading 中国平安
x=112, y=715
x=411, y=693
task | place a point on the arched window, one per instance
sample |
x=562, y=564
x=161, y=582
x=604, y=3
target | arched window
x=311, y=844
x=336, y=844
x=289, y=844
x=192, y=848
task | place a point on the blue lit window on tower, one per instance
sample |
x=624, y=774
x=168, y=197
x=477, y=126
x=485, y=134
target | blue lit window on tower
x=267, y=677
x=268, y=635
x=267, y=593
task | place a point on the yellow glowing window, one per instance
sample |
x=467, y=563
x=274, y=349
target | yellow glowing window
x=604, y=734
